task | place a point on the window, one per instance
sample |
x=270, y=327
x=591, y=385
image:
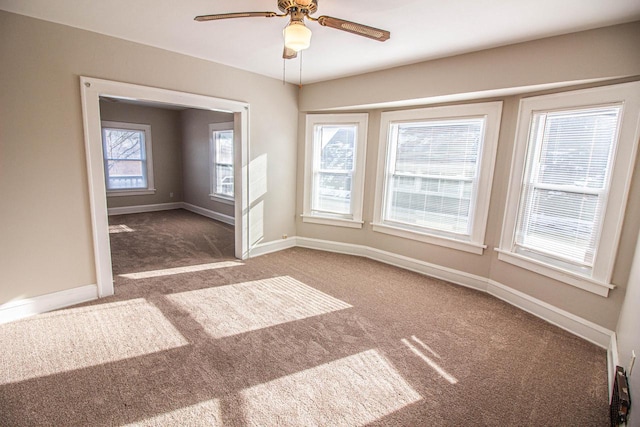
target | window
x=221, y=158
x=434, y=174
x=128, y=162
x=569, y=183
x=334, y=169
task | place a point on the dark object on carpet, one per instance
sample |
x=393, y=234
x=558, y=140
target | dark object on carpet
x=620, y=401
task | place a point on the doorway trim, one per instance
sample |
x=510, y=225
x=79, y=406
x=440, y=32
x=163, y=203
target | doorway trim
x=91, y=89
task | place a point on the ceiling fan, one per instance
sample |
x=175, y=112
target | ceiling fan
x=296, y=35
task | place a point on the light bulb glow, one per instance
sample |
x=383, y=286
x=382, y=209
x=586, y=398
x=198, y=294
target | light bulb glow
x=297, y=36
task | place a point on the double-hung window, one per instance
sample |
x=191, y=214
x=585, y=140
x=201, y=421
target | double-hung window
x=128, y=162
x=434, y=174
x=571, y=170
x=334, y=169
x=221, y=162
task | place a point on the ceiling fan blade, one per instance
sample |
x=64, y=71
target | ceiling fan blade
x=289, y=53
x=215, y=17
x=354, y=28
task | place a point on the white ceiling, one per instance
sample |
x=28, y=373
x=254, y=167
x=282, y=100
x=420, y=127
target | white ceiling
x=420, y=29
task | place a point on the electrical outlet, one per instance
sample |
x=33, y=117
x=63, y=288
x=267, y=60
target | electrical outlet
x=284, y=236
x=171, y=194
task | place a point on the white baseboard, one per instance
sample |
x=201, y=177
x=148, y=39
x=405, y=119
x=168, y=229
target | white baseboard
x=208, y=213
x=576, y=325
x=583, y=328
x=15, y=310
x=432, y=270
x=170, y=206
x=422, y=267
x=269, y=247
x=144, y=208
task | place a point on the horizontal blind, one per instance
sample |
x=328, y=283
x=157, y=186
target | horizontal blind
x=334, y=165
x=432, y=173
x=566, y=183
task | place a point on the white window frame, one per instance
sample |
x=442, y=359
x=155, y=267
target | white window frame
x=150, y=189
x=474, y=243
x=599, y=280
x=354, y=219
x=222, y=198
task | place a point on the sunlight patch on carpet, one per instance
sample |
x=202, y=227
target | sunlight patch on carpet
x=352, y=391
x=234, y=309
x=120, y=228
x=444, y=374
x=71, y=339
x=426, y=347
x=205, y=413
x=180, y=270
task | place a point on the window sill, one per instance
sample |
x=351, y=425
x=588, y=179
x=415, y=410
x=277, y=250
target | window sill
x=337, y=222
x=474, y=248
x=556, y=273
x=222, y=199
x=140, y=192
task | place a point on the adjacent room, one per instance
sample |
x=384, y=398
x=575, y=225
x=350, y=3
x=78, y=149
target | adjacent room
x=314, y=213
x=162, y=156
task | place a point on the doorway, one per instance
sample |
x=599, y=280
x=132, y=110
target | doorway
x=92, y=90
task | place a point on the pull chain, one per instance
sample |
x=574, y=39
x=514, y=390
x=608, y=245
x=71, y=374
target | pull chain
x=284, y=71
x=300, y=82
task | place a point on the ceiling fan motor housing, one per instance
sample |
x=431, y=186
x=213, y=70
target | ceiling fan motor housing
x=305, y=6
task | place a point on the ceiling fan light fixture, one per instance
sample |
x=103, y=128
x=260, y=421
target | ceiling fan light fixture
x=297, y=36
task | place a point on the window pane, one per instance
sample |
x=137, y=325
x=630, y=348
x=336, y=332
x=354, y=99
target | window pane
x=431, y=184
x=431, y=203
x=224, y=174
x=124, y=144
x=562, y=223
x=567, y=171
x=439, y=148
x=333, y=193
x=335, y=150
x=576, y=146
x=337, y=147
x=224, y=146
x=125, y=174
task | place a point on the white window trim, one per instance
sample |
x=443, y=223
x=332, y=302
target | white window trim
x=623, y=164
x=221, y=198
x=148, y=146
x=475, y=243
x=357, y=193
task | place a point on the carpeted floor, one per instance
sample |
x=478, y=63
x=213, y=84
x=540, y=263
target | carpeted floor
x=295, y=338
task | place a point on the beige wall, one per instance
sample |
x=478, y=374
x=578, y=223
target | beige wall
x=45, y=227
x=195, y=160
x=600, y=55
x=166, y=135
x=604, y=53
x=628, y=332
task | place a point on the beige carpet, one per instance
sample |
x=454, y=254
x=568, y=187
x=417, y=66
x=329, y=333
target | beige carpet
x=295, y=338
